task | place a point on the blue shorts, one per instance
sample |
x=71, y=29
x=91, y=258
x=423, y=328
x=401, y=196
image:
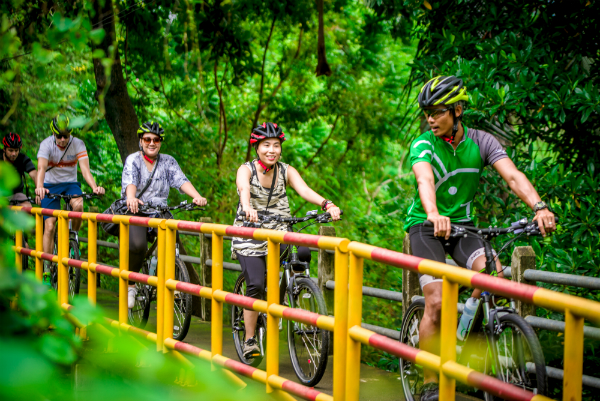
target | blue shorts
x=63, y=188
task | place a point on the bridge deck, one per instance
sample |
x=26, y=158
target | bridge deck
x=376, y=384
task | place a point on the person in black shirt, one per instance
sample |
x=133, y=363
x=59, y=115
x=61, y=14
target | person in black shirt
x=12, y=154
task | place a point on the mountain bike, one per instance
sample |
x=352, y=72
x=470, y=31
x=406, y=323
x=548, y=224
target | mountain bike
x=138, y=315
x=499, y=342
x=308, y=345
x=17, y=202
x=74, y=273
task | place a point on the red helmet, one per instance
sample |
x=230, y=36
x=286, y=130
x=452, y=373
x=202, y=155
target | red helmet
x=266, y=130
x=12, y=140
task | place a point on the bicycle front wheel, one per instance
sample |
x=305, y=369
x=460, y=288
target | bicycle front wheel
x=411, y=373
x=74, y=273
x=138, y=315
x=238, y=327
x=182, y=313
x=308, y=345
x=520, y=358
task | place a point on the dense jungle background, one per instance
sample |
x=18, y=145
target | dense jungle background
x=341, y=78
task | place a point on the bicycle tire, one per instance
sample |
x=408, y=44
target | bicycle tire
x=74, y=273
x=182, y=305
x=536, y=379
x=307, y=296
x=411, y=373
x=238, y=328
x=138, y=315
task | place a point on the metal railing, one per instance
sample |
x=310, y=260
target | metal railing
x=348, y=334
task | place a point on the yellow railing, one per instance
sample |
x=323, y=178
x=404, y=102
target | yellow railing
x=346, y=324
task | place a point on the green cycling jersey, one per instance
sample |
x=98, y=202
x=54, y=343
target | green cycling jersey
x=456, y=172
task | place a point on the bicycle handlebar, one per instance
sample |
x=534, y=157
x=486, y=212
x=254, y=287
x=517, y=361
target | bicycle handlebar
x=265, y=217
x=518, y=227
x=69, y=197
x=160, y=208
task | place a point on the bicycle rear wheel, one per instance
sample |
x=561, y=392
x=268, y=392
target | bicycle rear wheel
x=238, y=327
x=138, y=315
x=308, y=345
x=411, y=373
x=520, y=360
x=182, y=315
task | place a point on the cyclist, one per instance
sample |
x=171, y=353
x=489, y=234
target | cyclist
x=58, y=157
x=260, y=190
x=12, y=154
x=448, y=162
x=137, y=172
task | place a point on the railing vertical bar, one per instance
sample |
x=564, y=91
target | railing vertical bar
x=19, y=255
x=63, y=252
x=39, y=245
x=92, y=258
x=171, y=239
x=272, y=321
x=355, y=296
x=340, y=325
x=160, y=288
x=448, y=337
x=216, y=326
x=573, y=357
x=123, y=266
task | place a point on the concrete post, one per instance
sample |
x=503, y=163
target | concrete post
x=326, y=270
x=205, y=272
x=410, y=280
x=523, y=258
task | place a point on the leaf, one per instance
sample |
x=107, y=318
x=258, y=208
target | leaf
x=42, y=55
x=79, y=121
x=9, y=179
x=97, y=35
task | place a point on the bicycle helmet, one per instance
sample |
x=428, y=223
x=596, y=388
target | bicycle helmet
x=444, y=90
x=151, y=127
x=12, y=140
x=60, y=125
x=264, y=131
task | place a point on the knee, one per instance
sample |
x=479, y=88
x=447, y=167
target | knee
x=49, y=226
x=433, y=308
x=304, y=254
x=78, y=205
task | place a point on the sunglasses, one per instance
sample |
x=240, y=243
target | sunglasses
x=435, y=113
x=62, y=136
x=147, y=141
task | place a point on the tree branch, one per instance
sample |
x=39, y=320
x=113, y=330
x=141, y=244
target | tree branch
x=324, y=143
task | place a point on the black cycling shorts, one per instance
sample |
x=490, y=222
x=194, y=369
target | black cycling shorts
x=424, y=244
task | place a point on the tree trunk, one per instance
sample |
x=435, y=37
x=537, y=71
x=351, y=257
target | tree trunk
x=322, y=65
x=112, y=93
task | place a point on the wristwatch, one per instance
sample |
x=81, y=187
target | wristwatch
x=539, y=206
x=325, y=203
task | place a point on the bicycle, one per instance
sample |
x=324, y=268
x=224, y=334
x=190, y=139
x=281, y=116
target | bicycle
x=510, y=347
x=17, y=202
x=74, y=273
x=139, y=314
x=308, y=345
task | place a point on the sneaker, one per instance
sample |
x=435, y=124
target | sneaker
x=251, y=348
x=131, y=294
x=430, y=392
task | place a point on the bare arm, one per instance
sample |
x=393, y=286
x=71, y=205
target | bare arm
x=426, y=186
x=84, y=165
x=40, y=191
x=242, y=181
x=308, y=194
x=522, y=187
x=33, y=175
x=189, y=190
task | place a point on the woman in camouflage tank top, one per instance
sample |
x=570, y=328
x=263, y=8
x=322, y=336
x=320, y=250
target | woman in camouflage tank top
x=254, y=182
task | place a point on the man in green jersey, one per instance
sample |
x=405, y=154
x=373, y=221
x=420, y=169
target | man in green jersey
x=448, y=162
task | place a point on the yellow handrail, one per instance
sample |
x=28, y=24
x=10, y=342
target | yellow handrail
x=348, y=335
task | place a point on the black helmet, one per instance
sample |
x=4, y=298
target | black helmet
x=264, y=131
x=442, y=90
x=60, y=125
x=151, y=127
x=12, y=140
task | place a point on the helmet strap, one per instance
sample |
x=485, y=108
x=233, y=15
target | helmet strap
x=267, y=169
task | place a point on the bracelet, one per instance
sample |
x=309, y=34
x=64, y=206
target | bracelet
x=325, y=203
